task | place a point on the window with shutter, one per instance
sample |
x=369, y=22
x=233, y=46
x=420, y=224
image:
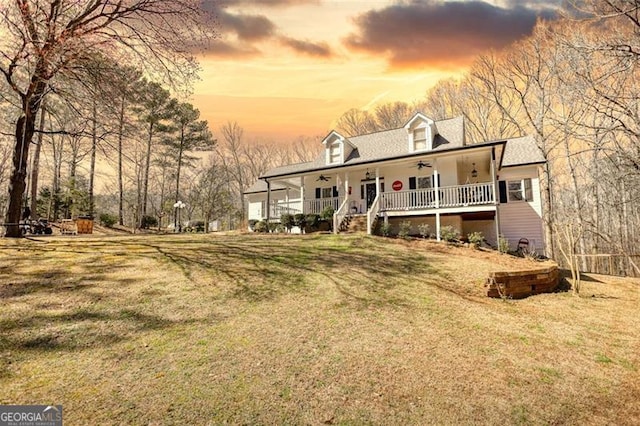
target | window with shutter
x=502, y=189
x=519, y=190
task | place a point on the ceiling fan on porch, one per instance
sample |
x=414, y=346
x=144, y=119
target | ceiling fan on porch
x=421, y=164
x=322, y=178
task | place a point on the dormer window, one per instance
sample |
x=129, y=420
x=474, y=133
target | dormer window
x=334, y=153
x=337, y=148
x=421, y=132
x=420, y=139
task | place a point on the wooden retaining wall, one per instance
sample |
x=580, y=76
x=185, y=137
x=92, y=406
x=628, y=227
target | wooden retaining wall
x=520, y=284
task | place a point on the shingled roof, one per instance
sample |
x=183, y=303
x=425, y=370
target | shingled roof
x=381, y=146
x=394, y=144
x=261, y=186
x=521, y=151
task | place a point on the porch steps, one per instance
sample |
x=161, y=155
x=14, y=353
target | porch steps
x=354, y=224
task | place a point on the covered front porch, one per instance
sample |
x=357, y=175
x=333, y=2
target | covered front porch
x=408, y=187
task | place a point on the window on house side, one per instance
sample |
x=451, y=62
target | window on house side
x=520, y=190
x=420, y=139
x=424, y=182
x=334, y=153
x=327, y=192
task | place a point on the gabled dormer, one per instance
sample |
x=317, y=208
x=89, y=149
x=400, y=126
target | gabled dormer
x=337, y=148
x=421, y=131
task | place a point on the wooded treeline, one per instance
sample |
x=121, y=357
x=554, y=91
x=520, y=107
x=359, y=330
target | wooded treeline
x=141, y=150
x=73, y=116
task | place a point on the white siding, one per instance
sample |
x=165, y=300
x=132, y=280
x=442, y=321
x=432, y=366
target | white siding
x=255, y=206
x=522, y=219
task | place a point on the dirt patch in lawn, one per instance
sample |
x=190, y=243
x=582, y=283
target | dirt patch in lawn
x=309, y=329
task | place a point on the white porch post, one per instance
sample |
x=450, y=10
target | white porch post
x=268, y=201
x=377, y=181
x=496, y=196
x=338, y=184
x=286, y=199
x=436, y=189
x=302, y=194
x=346, y=185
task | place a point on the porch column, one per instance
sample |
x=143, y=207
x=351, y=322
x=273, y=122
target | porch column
x=286, y=199
x=496, y=196
x=346, y=185
x=377, y=181
x=302, y=194
x=436, y=190
x=268, y=200
x=338, y=185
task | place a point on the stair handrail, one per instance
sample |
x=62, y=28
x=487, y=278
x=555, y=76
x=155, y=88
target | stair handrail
x=340, y=214
x=372, y=213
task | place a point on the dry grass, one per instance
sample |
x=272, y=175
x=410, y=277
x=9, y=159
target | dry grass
x=305, y=330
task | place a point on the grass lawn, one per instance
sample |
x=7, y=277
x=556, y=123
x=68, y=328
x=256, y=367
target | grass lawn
x=319, y=329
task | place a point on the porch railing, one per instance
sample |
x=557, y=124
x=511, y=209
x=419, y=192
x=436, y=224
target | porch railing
x=316, y=206
x=278, y=209
x=339, y=215
x=449, y=196
x=372, y=213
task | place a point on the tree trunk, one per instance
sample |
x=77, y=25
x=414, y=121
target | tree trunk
x=17, y=184
x=57, y=177
x=35, y=169
x=547, y=216
x=145, y=183
x=120, y=180
x=25, y=128
x=179, y=163
x=92, y=168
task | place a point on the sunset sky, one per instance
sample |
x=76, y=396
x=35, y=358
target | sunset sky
x=285, y=68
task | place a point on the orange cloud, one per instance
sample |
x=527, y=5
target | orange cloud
x=307, y=47
x=441, y=34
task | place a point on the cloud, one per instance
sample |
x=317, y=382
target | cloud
x=226, y=49
x=306, y=47
x=246, y=27
x=271, y=3
x=240, y=32
x=443, y=34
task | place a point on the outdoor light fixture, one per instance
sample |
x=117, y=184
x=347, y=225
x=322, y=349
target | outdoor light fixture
x=367, y=175
x=178, y=206
x=474, y=172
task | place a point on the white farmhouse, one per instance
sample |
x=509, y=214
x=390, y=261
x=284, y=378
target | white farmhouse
x=424, y=172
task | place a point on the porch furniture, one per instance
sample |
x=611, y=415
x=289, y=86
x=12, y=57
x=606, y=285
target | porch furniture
x=523, y=245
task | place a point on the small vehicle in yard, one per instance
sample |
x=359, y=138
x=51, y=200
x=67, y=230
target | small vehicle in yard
x=36, y=227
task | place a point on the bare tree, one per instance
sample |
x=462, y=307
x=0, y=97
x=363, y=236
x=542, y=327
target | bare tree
x=46, y=39
x=356, y=122
x=232, y=134
x=392, y=115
